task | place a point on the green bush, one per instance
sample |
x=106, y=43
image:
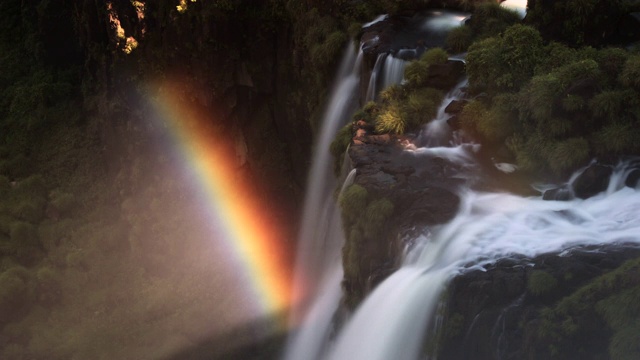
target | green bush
x=607, y=104
x=392, y=93
x=325, y=53
x=539, y=96
x=471, y=115
x=630, y=75
x=572, y=103
x=568, y=155
x=618, y=139
x=416, y=73
x=434, y=56
x=459, y=39
x=391, y=120
x=491, y=19
x=541, y=282
x=422, y=106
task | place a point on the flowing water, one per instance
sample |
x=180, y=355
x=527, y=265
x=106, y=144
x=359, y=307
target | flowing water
x=394, y=321
x=318, y=271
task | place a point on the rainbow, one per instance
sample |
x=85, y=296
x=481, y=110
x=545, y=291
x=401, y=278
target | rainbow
x=254, y=240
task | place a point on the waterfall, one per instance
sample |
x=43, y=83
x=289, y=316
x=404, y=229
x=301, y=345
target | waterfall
x=437, y=132
x=318, y=271
x=393, y=321
x=393, y=71
x=373, y=80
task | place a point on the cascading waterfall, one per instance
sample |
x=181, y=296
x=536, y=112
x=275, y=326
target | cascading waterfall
x=318, y=271
x=393, y=321
x=397, y=318
x=393, y=71
x=372, y=89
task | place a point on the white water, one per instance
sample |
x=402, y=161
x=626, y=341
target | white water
x=393, y=321
x=393, y=71
x=373, y=79
x=437, y=132
x=321, y=239
x=520, y=6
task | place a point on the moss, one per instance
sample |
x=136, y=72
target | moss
x=459, y=39
x=339, y=146
x=605, y=309
x=541, y=282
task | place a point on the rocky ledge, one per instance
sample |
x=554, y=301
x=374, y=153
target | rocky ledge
x=555, y=306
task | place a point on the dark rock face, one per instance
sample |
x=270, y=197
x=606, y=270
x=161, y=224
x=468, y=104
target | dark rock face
x=562, y=193
x=497, y=314
x=593, y=180
x=422, y=190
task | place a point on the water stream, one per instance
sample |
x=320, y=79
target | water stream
x=396, y=318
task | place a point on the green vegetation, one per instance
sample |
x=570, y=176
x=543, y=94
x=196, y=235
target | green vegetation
x=549, y=107
x=541, y=282
x=406, y=107
x=365, y=218
x=605, y=308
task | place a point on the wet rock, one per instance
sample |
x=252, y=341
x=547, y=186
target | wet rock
x=633, y=178
x=445, y=76
x=496, y=314
x=593, y=180
x=562, y=193
x=455, y=106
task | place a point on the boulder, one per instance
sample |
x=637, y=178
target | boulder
x=498, y=313
x=455, y=106
x=562, y=193
x=593, y=180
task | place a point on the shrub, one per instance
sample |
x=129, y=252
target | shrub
x=541, y=282
x=607, y=104
x=391, y=120
x=630, y=75
x=495, y=126
x=568, y=155
x=422, y=106
x=325, y=54
x=484, y=63
x=434, y=56
x=416, y=73
x=471, y=115
x=611, y=61
x=391, y=94
x=490, y=19
x=538, y=97
x=617, y=138
x=572, y=103
x=459, y=39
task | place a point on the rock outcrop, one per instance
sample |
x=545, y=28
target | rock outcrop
x=549, y=307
